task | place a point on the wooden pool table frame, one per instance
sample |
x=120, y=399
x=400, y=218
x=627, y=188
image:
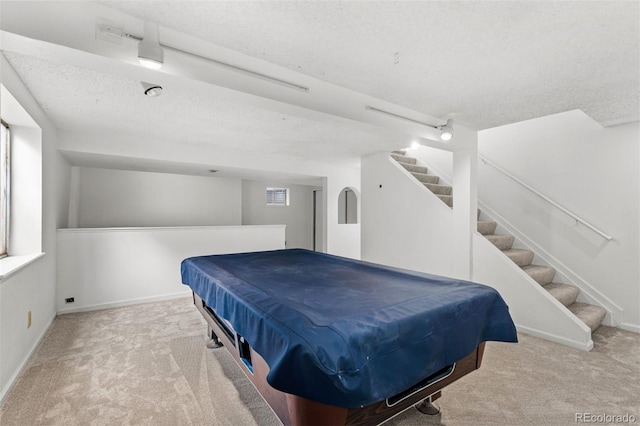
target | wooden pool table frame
x=294, y=410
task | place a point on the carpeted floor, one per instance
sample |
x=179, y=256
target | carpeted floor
x=148, y=365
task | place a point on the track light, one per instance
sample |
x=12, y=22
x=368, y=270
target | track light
x=446, y=131
x=150, y=53
x=151, y=90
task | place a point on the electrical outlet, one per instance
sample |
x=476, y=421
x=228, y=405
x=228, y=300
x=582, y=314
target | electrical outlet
x=29, y=319
x=69, y=300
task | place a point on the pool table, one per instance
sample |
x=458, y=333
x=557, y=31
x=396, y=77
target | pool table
x=294, y=410
x=334, y=341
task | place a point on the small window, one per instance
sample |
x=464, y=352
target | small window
x=277, y=196
x=5, y=175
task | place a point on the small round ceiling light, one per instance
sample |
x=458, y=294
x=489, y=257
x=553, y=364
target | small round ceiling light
x=151, y=90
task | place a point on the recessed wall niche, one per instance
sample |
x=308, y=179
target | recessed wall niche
x=347, y=206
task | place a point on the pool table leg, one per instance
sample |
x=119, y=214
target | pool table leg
x=426, y=406
x=214, y=342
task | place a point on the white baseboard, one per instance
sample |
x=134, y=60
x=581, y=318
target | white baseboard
x=35, y=346
x=630, y=327
x=23, y=364
x=583, y=346
x=125, y=303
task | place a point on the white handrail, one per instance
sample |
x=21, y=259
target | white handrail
x=547, y=199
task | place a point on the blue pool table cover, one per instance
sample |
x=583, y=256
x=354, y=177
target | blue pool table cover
x=345, y=332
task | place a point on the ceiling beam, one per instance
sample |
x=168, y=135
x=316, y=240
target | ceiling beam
x=324, y=102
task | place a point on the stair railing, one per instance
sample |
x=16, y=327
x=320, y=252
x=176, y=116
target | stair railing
x=577, y=218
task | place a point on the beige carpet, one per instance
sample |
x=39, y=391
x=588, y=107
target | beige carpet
x=148, y=365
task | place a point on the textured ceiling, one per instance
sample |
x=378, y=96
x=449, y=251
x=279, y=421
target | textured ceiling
x=485, y=63
x=85, y=100
x=102, y=161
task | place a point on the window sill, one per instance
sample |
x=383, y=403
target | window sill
x=11, y=264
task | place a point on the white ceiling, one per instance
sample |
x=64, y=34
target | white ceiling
x=86, y=100
x=102, y=161
x=483, y=63
x=486, y=63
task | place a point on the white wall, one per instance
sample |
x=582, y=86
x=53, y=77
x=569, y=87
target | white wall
x=103, y=268
x=439, y=162
x=406, y=225
x=590, y=170
x=297, y=216
x=118, y=198
x=342, y=239
x=403, y=223
x=33, y=287
x=338, y=239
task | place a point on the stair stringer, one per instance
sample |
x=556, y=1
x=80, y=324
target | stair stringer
x=399, y=237
x=564, y=274
x=533, y=309
x=403, y=223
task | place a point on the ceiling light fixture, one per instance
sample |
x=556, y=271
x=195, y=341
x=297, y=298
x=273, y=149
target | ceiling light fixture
x=150, y=53
x=150, y=89
x=446, y=130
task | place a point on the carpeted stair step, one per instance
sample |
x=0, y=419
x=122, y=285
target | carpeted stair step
x=520, y=257
x=502, y=241
x=589, y=314
x=439, y=189
x=543, y=275
x=565, y=293
x=425, y=178
x=414, y=168
x=486, y=227
x=404, y=159
x=447, y=199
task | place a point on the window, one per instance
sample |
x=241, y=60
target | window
x=277, y=196
x=5, y=175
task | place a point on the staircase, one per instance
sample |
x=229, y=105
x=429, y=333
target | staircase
x=591, y=315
